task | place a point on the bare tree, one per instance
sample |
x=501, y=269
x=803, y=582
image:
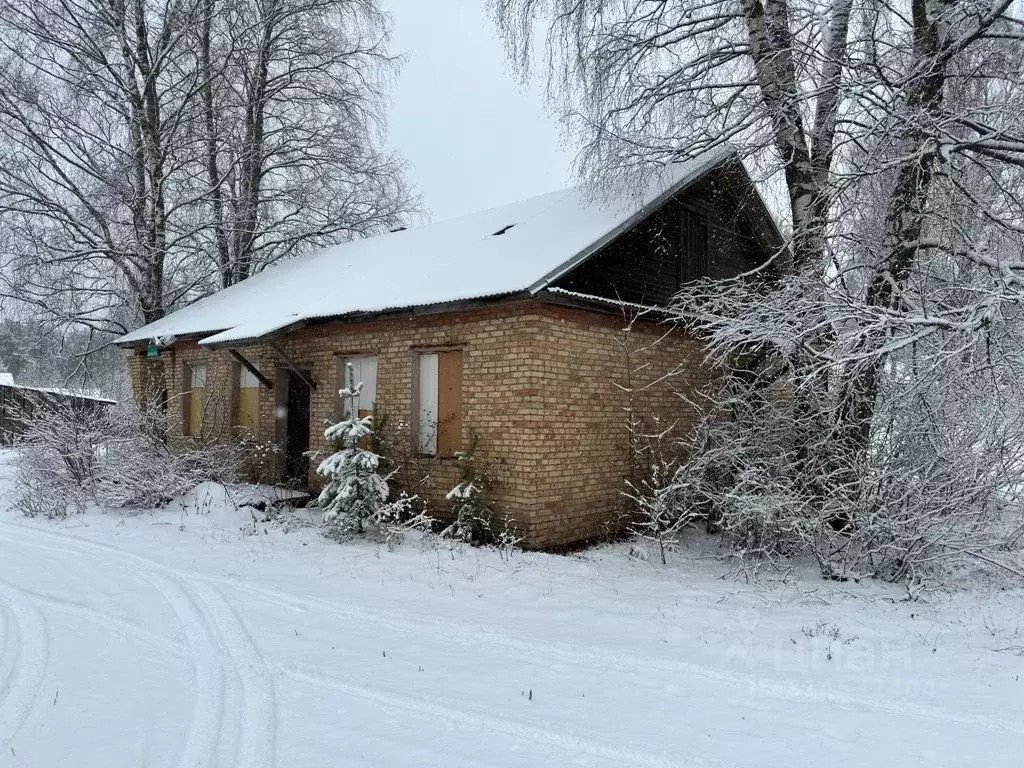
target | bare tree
x=293, y=115
x=94, y=98
x=151, y=149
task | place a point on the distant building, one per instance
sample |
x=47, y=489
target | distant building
x=19, y=404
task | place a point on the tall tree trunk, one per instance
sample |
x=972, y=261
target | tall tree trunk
x=807, y=162
x=771, y=49
x=213, y=173
x=905, y=216
x=251, y=172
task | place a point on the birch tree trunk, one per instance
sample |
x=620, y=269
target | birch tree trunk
x=294, y=109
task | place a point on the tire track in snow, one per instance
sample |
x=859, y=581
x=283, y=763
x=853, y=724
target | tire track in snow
x=200, y=743
x=258, y=724
x=10, y=648
x=24, y=660
x=106, y=621
x=205, y=728
x=601, y=658
x=610, y=660
x=445, y=711
x=214, y=635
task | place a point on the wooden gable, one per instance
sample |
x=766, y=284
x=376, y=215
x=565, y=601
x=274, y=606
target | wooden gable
x=717, y=228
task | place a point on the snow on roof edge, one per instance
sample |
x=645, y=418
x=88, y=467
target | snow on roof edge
x=622, y=303
x=242, y=336
x=62, y=392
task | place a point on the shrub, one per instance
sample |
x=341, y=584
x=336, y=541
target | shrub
x=473, y=514
x=940, y=481
x=115, y=457
x=660, y=512
x=258, y=459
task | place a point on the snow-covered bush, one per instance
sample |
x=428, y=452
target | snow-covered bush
x=356, y=494
x=140, y=471
x=258, y=460
x=393, y=443
x=661, y=512
x=57, y=457
x=473, y=514
x=933, y=476
x=115, y=457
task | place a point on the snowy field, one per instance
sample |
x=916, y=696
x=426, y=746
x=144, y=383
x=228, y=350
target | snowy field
x=179, y=639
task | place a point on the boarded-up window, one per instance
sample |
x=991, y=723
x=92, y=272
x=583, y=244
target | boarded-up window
x=439, y=423
x=364, y=369
x=694, y=259
x=247, y=415
x=195, y=398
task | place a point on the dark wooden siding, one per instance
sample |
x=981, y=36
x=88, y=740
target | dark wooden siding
x=694, y=255
x=705, y=230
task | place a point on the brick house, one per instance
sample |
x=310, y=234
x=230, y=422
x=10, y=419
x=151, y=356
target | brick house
x=508, y=325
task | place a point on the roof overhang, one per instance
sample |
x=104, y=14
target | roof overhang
x=142, y=343
x=223, y=341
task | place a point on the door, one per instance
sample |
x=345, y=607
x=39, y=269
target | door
x=292, y=422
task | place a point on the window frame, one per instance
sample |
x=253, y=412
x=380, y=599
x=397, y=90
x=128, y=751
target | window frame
x=443, y=449
x=192, y=423
x=341, y=365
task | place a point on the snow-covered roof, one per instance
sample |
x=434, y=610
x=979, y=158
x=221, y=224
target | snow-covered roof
x=518, y=248
x=61, y=391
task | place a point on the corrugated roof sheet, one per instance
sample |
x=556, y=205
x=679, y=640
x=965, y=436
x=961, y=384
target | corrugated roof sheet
x=515, y=248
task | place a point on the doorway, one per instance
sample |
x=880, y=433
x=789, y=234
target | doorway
x=292, y=409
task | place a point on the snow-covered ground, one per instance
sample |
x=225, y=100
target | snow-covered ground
x=180, y=639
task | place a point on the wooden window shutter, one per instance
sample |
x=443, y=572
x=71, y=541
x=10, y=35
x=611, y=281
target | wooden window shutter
x=196, y=398
x=186, y=406
x=236, y=393
x=449, y=403
x=247, y=400
x=195, y=416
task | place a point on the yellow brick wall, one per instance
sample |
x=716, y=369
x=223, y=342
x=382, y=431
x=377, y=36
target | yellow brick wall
x=539, y=389
x=590, y=373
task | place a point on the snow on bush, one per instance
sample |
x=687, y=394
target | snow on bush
x=470, y=499
x=70, y=456
x=660, y=514
x=475, y=519
x=932, y=476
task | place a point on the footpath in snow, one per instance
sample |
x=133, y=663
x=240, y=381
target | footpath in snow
x=188, y=638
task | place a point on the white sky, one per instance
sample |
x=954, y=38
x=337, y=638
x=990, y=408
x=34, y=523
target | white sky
x=473, y=137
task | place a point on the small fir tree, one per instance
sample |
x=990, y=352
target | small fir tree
x=356, y=493
x=472, y=507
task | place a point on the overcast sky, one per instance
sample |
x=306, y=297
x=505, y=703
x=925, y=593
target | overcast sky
x=473, y=137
